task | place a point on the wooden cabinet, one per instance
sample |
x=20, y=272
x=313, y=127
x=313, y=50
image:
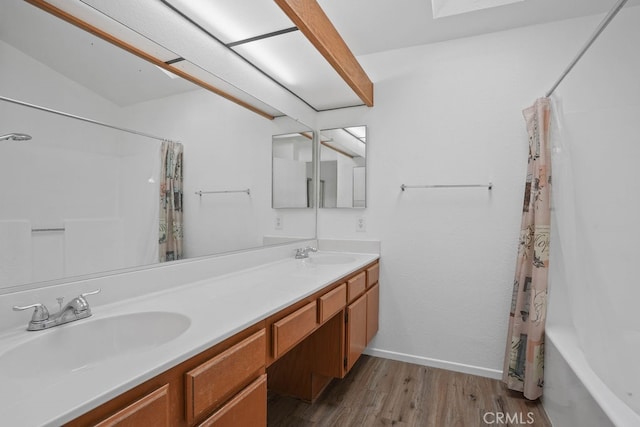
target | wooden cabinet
x=362, y=315
x=150, y=410
x=347, y=321
x=195, y=390
x=297, y=351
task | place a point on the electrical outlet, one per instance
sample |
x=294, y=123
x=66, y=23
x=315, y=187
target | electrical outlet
x=361, y=225
x=278, y=223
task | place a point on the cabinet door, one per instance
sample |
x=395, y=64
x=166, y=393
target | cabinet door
x=247, y=408
x=356, y=330
x=151, y=410
x=373, y=302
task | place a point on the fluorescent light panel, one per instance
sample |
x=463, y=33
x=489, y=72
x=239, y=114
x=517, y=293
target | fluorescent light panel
x=289, y=58
x=294, y=62
x=233, y=20
x=444, y=8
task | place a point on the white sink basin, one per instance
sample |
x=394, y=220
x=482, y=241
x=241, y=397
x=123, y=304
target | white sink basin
x=330, y=259
x=56, y=353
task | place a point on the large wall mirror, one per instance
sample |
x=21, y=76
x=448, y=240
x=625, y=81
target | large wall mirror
x=343, y=166
x=79, y=198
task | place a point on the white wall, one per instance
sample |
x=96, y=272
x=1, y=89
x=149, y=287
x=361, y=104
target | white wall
x=226, y=147
x=450, y=113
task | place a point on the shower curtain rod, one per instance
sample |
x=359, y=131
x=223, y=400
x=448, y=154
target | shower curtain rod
x=607, y=19
x=84, y=119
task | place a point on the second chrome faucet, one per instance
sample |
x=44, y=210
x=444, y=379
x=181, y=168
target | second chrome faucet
x=302, y=253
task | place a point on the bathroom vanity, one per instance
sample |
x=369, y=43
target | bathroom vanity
x=290, y=326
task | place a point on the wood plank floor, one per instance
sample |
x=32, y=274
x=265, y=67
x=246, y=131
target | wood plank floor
x=382, y=392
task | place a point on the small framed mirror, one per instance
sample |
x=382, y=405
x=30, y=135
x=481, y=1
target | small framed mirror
x=343, y=167
x=292, y=170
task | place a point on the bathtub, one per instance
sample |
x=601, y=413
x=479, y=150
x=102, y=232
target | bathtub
x=573, y=394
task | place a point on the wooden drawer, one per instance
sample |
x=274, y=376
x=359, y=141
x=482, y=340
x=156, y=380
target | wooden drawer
x=213, y=382
x=247, y=408
x=292, y=329
x=151, y=410
x=356, y=286
x=331, y=303
x=373, y=273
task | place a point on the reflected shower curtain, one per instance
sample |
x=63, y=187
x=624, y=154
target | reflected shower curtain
x=524, y=359
x=170, y=201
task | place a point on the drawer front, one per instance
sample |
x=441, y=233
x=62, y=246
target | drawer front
x=331, y=303
x=289, y=331
x=373, y=273
x=214, y=381
x=247, y=408
x=151, y=410
x=356, y=286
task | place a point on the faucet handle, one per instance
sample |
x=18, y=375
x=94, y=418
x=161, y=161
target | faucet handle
x=40, y=314
x=97, y=291
x=80, y=303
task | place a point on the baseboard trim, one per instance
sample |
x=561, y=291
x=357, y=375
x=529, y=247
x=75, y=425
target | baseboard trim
x=435, y=363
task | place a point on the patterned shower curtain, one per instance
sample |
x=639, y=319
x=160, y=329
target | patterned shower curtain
x=170, y=201
x=524, y=359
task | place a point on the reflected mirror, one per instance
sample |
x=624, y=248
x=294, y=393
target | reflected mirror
x=343, y=166
x=292, y=170
x=81, y=199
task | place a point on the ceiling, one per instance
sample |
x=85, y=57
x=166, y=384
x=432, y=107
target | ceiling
x=257, y=71
x=371, y=26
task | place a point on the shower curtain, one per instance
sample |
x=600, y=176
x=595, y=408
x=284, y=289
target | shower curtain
x=170, y=201
x=524, y=358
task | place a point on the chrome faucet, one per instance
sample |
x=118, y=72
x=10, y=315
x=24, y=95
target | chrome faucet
x=302, y=253
x=76, y=309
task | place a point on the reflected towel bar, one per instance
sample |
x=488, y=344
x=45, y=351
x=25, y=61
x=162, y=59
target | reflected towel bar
x=44, y=230
x=487, y=186
x=200, y=193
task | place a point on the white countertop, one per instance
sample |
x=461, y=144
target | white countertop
x=217, y=308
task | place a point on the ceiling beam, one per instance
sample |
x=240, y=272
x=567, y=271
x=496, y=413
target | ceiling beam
x=141, y=54
x=316, y=26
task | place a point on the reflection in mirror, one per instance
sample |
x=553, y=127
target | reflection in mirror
x=81, y=199
x=343, y=167
x=292, y=170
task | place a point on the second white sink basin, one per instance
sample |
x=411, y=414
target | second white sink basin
x=60, y=351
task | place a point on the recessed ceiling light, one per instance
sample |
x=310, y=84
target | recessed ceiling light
x=443, y=8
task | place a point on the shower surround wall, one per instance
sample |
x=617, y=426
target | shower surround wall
x=68, y=175
x=451, y=113
x=596, y=201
